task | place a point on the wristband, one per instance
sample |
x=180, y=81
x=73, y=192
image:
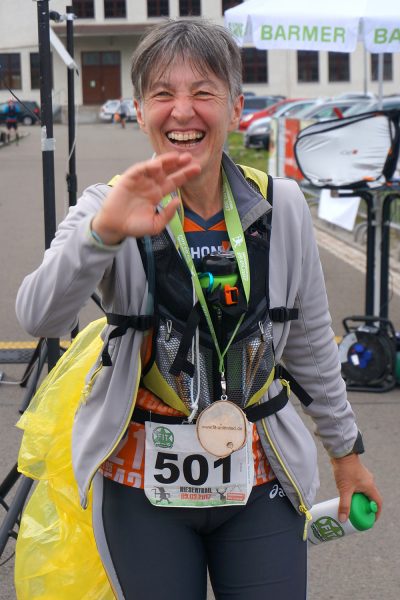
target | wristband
x=96, y=237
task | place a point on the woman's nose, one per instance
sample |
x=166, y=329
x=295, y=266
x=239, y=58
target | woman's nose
x=183, y=108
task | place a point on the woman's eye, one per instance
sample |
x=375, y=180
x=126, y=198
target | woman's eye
x=204, y=93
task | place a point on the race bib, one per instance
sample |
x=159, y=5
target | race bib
x=179, y=472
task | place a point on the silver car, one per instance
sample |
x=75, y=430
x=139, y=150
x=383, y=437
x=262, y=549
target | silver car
x=257, y=134
x=111, y=107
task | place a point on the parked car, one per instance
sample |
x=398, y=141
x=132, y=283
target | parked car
x=257, y=134
x=110, y=107
x=332, y=109
x=248, y=119
x=356, y=96
x=28, y=113
x=253, y=104
x=388, y=103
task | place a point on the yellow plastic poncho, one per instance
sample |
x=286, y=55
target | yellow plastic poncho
x=56, y=555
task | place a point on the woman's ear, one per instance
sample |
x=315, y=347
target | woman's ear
x=236, y=112
x=139, y=114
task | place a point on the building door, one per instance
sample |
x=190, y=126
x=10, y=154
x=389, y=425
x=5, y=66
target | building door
x=101, y=76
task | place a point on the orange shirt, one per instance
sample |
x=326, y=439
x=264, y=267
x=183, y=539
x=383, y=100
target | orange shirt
x=126, y=465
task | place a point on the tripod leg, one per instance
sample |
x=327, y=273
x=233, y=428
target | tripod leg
x=8, y=483
x=14, y=511
x=34, y=379
x=34, y=357
x=18, y=501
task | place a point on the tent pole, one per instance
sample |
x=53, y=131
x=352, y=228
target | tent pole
x=365, y=71
x=380, y=79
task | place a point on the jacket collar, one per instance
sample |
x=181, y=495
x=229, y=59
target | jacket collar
x=250, y=204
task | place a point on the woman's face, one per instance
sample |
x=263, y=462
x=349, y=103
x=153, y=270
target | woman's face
x=185, y=111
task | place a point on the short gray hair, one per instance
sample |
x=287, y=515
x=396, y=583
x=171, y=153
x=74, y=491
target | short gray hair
x=208, y=47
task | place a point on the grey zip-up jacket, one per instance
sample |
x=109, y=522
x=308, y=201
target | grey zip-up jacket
x=51, y=297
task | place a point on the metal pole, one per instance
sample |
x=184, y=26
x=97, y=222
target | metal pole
x=385, y=257
x=47, y=144
x=370, y=265
x=72, y=181
x=71, y=176
x=378, y=201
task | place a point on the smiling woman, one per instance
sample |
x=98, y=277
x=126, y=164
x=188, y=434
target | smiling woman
x=187, y=406
x=188, y=97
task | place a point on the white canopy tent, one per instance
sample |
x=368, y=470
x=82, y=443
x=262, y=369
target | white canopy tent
x=332, y=25
x=314, y=25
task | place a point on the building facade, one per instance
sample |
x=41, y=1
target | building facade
x=107, y=31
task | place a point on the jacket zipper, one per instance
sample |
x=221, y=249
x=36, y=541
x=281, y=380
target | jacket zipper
x=126, y=423
x=302, y=507
x=88, y=387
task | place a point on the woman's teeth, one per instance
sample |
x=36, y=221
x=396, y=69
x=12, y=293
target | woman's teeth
x=178, y=136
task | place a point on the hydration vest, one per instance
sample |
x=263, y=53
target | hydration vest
x=183, y=359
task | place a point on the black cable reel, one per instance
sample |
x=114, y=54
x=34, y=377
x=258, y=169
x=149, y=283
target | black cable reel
x=368, y=354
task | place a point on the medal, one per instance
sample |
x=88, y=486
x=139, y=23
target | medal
x=222, y=428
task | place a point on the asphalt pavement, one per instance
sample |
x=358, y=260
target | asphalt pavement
x=360, y=567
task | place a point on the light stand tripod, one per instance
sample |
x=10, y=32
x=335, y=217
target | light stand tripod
x=46, y=350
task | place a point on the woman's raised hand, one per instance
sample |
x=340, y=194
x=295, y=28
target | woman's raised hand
x=130, y=207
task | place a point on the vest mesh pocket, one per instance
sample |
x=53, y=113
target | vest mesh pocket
x=167, y=344
x=249, y=363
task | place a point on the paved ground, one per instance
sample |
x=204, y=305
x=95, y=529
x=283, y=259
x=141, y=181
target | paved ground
x=360, y=567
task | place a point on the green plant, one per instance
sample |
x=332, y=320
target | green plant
x=239, y=154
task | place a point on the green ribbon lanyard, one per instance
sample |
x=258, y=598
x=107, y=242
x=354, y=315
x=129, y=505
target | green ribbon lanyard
x=236, y=238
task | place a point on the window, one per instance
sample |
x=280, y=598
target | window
x=387, y=67
x=83, y=8
x=35, y=71
x=307, y=66
x=229, y=4
x=157, y=8
x=189, y=8
x=339, y=66
x=10, y=71
x=255, y=65
x=110, y=57
x=96, y=59
x=114, y=8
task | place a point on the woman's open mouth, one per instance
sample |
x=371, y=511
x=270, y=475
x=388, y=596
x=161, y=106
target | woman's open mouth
x=185, y=139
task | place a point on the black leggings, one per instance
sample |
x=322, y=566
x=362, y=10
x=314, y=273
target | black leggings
x=253, y=552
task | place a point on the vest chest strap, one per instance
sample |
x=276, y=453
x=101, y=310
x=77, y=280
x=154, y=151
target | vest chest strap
x=253, y=413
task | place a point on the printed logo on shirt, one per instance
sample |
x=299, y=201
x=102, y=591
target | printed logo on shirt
x=199, y=252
